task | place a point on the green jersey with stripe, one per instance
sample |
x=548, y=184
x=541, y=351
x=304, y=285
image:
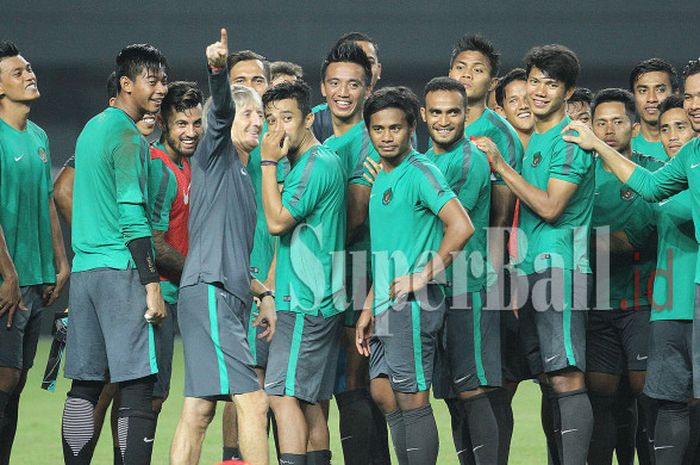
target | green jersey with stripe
x=674, y=292
x=564, y=242
x=492, y=125
x=680, y=173
x=467, y=172
x=112, y=165
x=404, y=224
x=25, y=192
x=621, y=209
x=309, y=275
x=652, y=149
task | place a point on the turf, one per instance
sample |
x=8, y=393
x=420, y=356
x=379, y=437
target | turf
x=38, y=437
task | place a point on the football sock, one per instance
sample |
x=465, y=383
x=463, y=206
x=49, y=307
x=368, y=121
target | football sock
x=576, y=426
x=319, y=457
x=398, y=435
x=356, y=425
x=604, y=429
x=503, y=411
x=421, y=436
x=483, y=429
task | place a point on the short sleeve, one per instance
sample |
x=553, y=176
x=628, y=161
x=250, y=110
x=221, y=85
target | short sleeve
x=664, y=182
x=131, y=160
x=302, y=192
x=569, y=162
x=162, y=190
x=433, y=190
x=472, y=176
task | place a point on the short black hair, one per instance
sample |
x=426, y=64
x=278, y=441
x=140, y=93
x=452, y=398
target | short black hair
x=669, y=103
x=112, y=85
x=615, y=94
x=8, y=49
x=357, y=37
x=691, y=68
x=285, y=67
x=297, y=90
x=401, y=98
x=651, y=65
x=348, y=52
x=181, y=96
x=447, y=84
x=557, y=61
x=478, y=43
x=581, y=94
x=133, y=59
x=515, y=74
x=248, y=55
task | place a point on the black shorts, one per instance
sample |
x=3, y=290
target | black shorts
x=553, y=319
x=18, y=344
x=617, y=341
x=303, y=356
x=670, y=370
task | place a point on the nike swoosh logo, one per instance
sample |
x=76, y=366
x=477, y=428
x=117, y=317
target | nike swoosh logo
x=267, y=385
x=549, y=359
x=464, y=378
x=662, y=447
x=148, y=440
x=640, y=358
x=694, y=165
x=569, y=431
x=345, y=438
x=412, y=449
x=396, y=381
x=478, y=447
x=664, y=202
x=19, y=158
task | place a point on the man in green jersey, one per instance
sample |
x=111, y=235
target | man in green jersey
x=556, y=194
x=691, y=92
x=625, y=243
x=475, y=63
x=410, y=207
x=473, y=344
x=578, y=107
x=114, y=274
x=651, y=81
x=346, y=79
x=33, y=264
x=511, y=96
x=309, y=217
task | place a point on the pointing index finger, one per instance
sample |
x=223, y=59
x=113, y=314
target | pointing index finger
x=224, y=37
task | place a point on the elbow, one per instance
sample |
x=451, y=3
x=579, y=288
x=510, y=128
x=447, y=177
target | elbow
x=276, y=229
x=551, y=215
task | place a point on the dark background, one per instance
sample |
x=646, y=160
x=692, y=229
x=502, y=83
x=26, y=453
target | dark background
x=72, y=45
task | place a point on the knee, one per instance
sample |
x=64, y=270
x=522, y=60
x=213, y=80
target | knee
x=567, y=380
x=198, y=413
x=252, y=404
x=9, y=379
x=136, y=395
x=86, y=390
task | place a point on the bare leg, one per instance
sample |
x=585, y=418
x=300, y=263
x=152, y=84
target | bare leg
x=252, y=410
x=189, y=435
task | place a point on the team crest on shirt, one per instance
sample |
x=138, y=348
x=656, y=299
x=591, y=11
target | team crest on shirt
x=536, y=159
x=626, y=193
x=42, y=154
x=388, y=195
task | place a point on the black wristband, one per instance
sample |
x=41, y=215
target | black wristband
x=268, y=163
x=266, y=293
x=142, y=253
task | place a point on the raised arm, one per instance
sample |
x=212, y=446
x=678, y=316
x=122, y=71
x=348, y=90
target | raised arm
x=222, y=109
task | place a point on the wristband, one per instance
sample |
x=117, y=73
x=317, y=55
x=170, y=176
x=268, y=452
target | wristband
x=268, y=163
x=266, y=294
x=142, y=254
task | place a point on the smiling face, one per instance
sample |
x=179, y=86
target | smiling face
x=147, y=90
x=473, y=71
x=650, y=90
x=545, y=94
x=286, y=114
x=390, y=133
x=251, y=74
x=247, y=126
x=183, y=130
x=345, y=90
x=691, y=100
x=147, y=124
x=17, y=80
x=612, y=125
x=675, y=130
x=444, y=114
x=516, y=106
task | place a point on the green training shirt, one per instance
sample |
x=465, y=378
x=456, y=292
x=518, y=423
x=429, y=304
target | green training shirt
x=310, y=271
x=652, y=149
x=110, y=192
x=492, y=125
x=617, y=206
x=25, y=191
x=564, y=243
x=674, y=292
x=467, y=172
x=682, y=172
x=404, y=223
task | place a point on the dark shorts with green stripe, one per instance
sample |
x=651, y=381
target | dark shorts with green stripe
x=405, y=343
x=473, y=343
x=696, y=344
x=670, y=368
x=165, y=345
x=553, y=319
x=18, y=344
x=617, y=340
x=218, y=362
x=303, y=356
x=108, y=336
x=259, y=348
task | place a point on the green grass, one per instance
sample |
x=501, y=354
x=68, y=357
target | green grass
x=38, y=438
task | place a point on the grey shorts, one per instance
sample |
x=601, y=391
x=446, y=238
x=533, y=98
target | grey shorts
x=218, y=362
x=405, y=343
x=165, y=342
x=259, y=348
x=18, y=344
x=617, y=341
x=108, y=336
x=303, y=356
x=696, y=344
x=553, y=320
x=670, y=371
